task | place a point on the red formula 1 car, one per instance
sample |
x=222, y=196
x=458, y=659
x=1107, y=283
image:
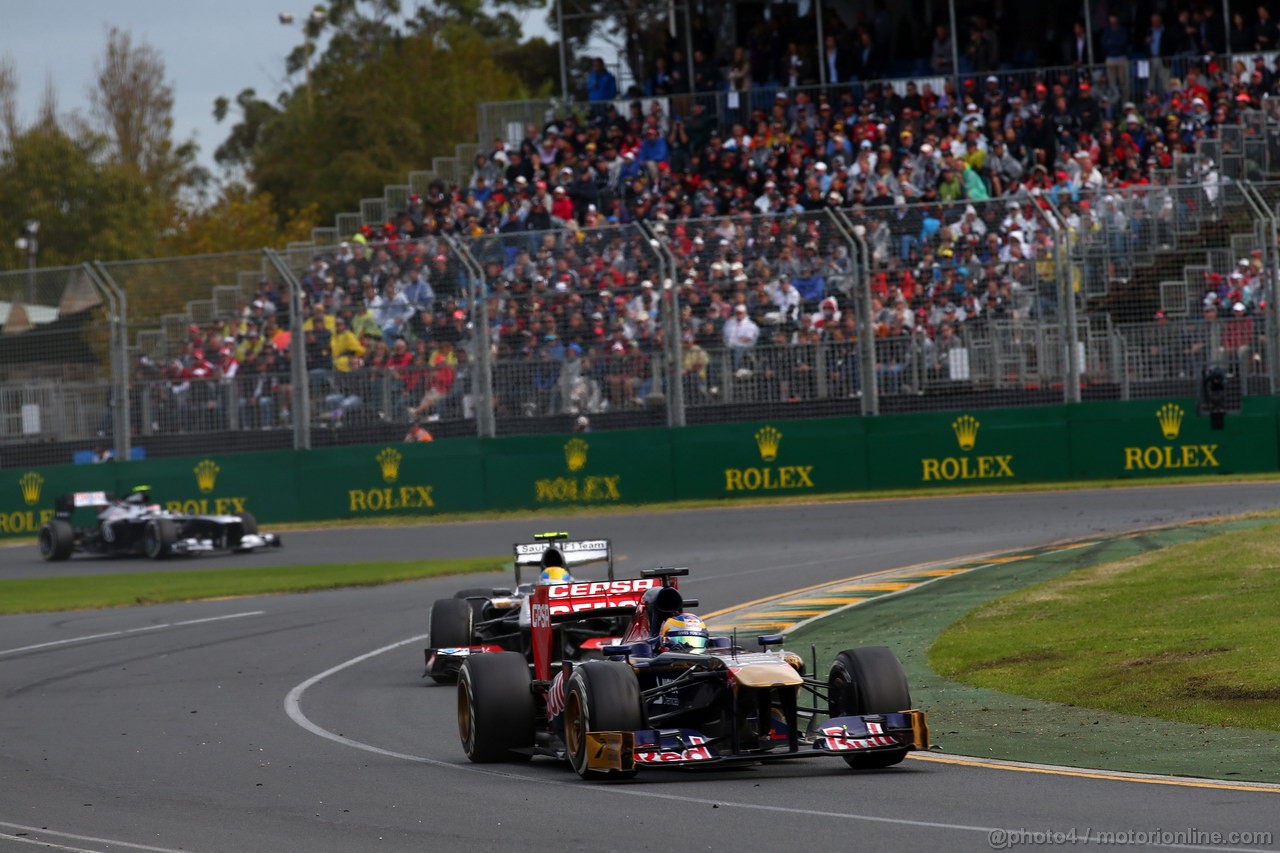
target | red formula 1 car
x=671, y=695
x=495, y=619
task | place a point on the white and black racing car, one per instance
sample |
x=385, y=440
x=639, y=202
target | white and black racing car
x=101, y=523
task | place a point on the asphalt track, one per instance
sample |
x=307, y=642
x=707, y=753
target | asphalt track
x=300, y=723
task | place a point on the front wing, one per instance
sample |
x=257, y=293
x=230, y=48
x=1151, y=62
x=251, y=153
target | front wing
x=838, y=736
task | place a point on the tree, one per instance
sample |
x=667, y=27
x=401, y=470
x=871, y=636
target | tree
x=132, y=104
x=238, y=219
x=383, y=101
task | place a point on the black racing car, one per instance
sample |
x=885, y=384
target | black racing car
x=101, y=523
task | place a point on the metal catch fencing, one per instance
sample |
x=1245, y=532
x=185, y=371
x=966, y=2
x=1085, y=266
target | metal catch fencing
x=841, y=310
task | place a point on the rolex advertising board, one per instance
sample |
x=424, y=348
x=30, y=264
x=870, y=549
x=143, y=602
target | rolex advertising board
x=27, y=494
x=619, y=467
x=973, y=448
x=769, y=458
x=373, y=480
x=1160, y=438
x=261, y=483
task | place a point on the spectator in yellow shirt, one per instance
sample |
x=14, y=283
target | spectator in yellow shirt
x=347, y=350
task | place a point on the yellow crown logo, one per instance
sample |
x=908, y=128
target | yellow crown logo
x=31, y=483
x=768, y=439
x=389, y=462
x=206, y=475
x=1170, y=417
x=966, y=428
x=575, y=453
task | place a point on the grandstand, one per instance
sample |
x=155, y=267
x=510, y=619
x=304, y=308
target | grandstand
x=884, y=252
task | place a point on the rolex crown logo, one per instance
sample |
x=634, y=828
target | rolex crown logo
x=575, y=453
x=389, y=462
x=1170, y=417
x=30, y=483
x=966, y=428
x=206, y=475
x=768, y=439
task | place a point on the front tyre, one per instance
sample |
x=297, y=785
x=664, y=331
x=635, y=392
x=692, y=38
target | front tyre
x=603, y=696
x=451, y=627
x=496, y=710
x=158, y=537
x=869, y=680
x=57, y=538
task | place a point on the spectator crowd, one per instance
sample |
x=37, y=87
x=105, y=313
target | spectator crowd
x=961, y=196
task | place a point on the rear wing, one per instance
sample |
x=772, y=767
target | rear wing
x=67, y=504
x=566, y=602
x=576, y=552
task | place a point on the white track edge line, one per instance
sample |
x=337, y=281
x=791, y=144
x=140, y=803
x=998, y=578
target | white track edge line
x=124, y=631
x=72, y=835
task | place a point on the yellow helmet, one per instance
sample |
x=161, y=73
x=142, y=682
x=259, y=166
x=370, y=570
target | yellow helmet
x=555, y=574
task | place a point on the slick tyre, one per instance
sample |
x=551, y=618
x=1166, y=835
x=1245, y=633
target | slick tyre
x=56, y=540
x=603, y=696
x=869, y=680
x=158, y=538
x=496, y=709
x=451, y=621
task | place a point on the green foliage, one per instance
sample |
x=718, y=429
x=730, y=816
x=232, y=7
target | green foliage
x=1183, y=634
x=386, y=97
x=89, y=205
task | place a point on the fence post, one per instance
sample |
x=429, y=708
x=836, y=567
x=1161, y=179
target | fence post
x=482, y=386
x=121, y=423
x=673, y=355
x=859, y=250
x=1070, y=332
x=298, y=374
x=1267, y=222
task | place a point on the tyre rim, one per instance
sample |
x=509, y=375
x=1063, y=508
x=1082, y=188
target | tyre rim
x=575, y=733
x=46, y=543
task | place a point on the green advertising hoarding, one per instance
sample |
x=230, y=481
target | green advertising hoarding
x=262, y=483
x=27, y=494
x=369, y=481
x=625, y=466
x=984, y=446
x=1161, y=438
x=769, y=458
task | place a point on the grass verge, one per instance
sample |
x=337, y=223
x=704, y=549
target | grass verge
x=35, y=595
x=1185, y=634
x=992, y=722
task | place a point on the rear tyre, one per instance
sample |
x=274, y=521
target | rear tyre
x=869, y=680
x=603, y=696
x=496, y=710
x=451, y=626
x=56, y=540
x=158, y=537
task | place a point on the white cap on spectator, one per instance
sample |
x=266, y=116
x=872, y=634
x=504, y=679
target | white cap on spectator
x=820, y=166
x=926, y=149
x=866, y=143
x=1244, y=262
x=553, y=129
x=698, y=241
x=1237, y=274
x=993, y=79
x=736, y=265
x=630, y=155
x=647, y=284
x=1239, y=306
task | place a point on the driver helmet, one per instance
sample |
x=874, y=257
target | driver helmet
x=554, y=574
x=684, y=632
x=138, y=497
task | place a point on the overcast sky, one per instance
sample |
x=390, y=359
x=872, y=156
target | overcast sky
x=209, y=49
